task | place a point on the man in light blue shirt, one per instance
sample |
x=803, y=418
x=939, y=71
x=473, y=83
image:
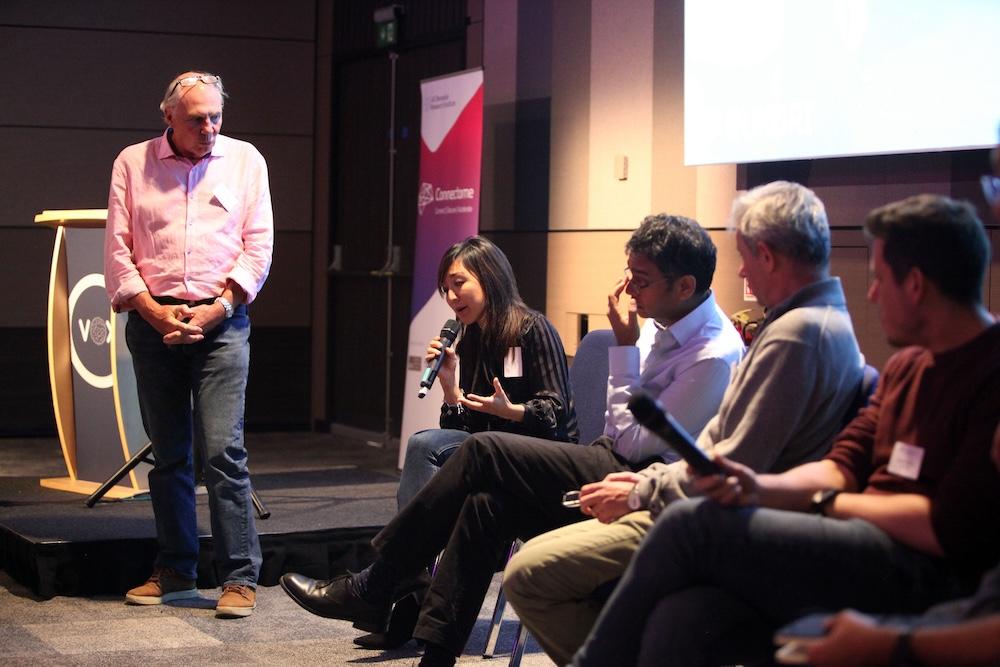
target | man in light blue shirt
x=686, y=365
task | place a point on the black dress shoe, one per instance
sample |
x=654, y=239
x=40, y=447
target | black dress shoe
x=335, y=598
x=401, y=624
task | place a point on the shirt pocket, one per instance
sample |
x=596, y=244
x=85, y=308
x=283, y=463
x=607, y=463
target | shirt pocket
x=224, y=197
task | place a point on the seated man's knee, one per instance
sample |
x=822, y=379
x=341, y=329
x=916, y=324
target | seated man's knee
x=682, y=514
x=684, y=526
x=677, y=514
x=518, y=574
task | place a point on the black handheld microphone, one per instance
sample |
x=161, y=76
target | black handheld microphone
x=651, y=414
x=448, y=334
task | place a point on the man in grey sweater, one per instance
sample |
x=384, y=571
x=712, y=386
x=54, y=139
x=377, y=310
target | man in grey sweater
x=788, y=398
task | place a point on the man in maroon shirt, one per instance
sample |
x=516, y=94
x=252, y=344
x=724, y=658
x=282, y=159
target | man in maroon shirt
x=903, y=511
x=958, y=632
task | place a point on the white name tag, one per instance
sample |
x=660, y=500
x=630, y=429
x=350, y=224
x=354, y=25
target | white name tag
x=225, y=197
x=906, y=460
x=512, y=363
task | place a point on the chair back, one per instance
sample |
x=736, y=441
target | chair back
x=588, y=378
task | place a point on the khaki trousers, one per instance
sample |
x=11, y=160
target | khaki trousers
x=550, y=581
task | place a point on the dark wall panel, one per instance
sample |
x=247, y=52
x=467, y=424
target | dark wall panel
x=56, y=168
x=253, y=18
x=86, y=79
x=25, y=258
x=422, y=23
x=850, y=187
x=278, y=387
x=285, y=299
x=289, y=170
x=25, y=397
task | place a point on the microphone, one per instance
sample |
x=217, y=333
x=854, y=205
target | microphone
x=448, y=334
x=651, y=414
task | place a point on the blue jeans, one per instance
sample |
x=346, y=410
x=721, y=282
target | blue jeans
x=193, y=396
x=704, y=567
x=426, y=452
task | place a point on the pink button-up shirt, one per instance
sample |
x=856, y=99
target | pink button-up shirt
x=181, y=229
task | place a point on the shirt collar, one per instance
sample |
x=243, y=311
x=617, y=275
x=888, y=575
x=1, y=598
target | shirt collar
x=688, y=326
x=826, y=292
x=164, y=150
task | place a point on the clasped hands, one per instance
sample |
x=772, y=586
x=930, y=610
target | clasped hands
x=183, y=324
x=607, y=500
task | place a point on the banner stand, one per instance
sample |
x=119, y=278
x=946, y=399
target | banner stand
x=451, y=149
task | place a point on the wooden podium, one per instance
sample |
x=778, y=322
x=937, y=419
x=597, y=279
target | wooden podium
x=90, y=369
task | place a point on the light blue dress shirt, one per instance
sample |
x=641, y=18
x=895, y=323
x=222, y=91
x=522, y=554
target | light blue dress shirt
x=687, y=366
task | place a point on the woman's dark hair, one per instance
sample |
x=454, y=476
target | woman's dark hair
x=505, y=312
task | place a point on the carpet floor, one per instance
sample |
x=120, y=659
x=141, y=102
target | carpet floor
x=102, y=630
x=96, y=631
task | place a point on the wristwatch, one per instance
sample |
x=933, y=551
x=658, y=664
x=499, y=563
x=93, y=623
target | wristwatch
x=452, y=410
x=634, y=500
x=822, y=499
x=226, y=306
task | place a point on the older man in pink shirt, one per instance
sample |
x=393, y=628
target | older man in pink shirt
x=188, y=246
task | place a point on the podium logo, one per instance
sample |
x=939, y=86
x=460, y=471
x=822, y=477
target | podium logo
x=89, y=355
x=95, y=330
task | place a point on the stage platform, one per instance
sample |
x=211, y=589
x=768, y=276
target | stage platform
x=327, y=498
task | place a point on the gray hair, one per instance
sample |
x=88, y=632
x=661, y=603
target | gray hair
x=788, y=217
x=173, y=92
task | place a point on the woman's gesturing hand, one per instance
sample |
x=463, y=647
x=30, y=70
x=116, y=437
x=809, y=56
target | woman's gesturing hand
x=498, y=404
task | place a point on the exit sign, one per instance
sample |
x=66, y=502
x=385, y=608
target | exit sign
x=388, y=33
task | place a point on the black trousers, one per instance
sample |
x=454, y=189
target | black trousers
x=496, y=487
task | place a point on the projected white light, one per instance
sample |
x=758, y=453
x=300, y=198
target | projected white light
x=789, y=79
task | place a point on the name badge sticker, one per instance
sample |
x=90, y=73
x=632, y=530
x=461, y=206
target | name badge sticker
x=906, y=460
x=225, y=197
x=512, y=363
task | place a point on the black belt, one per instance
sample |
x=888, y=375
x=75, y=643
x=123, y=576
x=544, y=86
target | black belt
x=174, y=301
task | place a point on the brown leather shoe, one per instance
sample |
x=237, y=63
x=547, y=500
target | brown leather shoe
x=162, y=586
x=237, y=601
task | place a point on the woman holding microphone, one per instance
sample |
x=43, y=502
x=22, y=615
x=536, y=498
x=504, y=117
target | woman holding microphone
x=511, y=367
